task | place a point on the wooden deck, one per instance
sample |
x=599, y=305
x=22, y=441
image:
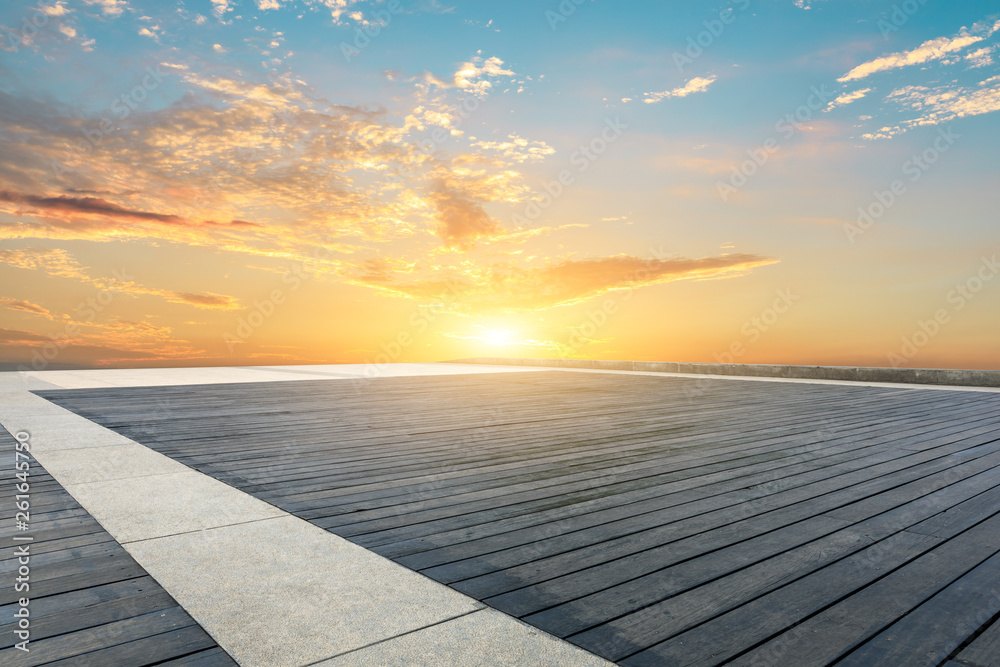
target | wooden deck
x=651, y=520
x=91, y=603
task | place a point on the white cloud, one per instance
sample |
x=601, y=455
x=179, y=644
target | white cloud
x=934, y=49
x=218, y=48
x=109, y=7
x=472, y=76
x=220, y=7
x=847, y=98
x=981, y=57
x=695, y=85
x=268, y=4
x=58, y=9
x=942, y=104
x=516, y=149
x=339, y=8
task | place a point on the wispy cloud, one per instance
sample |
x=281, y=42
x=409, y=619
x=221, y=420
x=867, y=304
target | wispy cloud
x=695, y=85
x=511, y=288
x=516, y=149
x=18, y=337
x=934, y=49
x=84, y=205
x=110, y=7
x=473, y=77
x=847, y=98
x=56, y=9
x=940, y=104
x=59, y=263
x=981, y=57
x=221, y=7
x=25, y=306
x=53, y=261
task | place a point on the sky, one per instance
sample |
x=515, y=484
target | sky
x=360, y=181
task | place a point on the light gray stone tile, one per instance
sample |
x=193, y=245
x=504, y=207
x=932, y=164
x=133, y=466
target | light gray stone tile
x=102, y=464
x=142, y=508
x=486, y=638
x=284, y=592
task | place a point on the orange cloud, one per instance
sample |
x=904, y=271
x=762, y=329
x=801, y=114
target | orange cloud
x=15, y=336
x=235, y=148
x=201, y=299
x=85, y=205
x=462, y=220
x=58, y=262
x=25, y=306
x=510, y=288
x=53, y=261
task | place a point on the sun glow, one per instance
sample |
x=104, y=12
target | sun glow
x=494, y=337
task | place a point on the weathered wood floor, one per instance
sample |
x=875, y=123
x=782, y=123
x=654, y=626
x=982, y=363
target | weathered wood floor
x=651, y=520
x=90, y=602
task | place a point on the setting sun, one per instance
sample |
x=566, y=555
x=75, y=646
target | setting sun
x=497, y=337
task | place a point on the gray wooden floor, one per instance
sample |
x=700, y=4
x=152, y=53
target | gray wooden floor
x=651, y=520
x=90, y=602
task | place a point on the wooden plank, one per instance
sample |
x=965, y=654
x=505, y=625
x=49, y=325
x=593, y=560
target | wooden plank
x=587, y=598
x=940, y=625
x=214, y=657
x=74, y=618
x=569, y=552
x=125, y=569
x=179, y=643
x=984, y=650
x=902, y=592
x=784, y=614
x=76, y=644
x=58, y=543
